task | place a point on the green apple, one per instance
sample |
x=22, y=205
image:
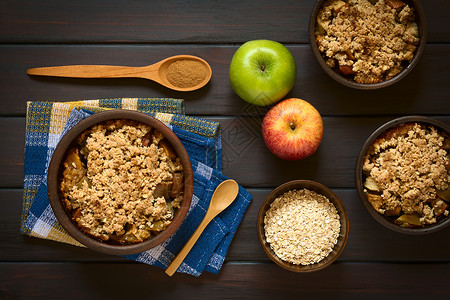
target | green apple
x=262, y=72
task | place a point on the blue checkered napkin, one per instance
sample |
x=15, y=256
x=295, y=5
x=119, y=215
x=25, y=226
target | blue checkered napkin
x=210, y=250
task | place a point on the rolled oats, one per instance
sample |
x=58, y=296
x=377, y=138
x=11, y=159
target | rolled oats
x=302, y=226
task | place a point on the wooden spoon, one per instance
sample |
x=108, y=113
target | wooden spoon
x=156, y=72
x=223, y=196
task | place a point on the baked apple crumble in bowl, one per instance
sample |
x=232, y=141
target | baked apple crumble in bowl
x=403, y=177
x=120, y=182
x=367, y=44
x=302, y=226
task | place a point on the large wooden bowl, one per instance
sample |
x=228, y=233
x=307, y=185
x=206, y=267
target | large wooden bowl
x=54, y=173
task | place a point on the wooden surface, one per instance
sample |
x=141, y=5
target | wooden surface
x=375, y=263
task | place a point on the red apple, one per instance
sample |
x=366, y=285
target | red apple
x=292, y=129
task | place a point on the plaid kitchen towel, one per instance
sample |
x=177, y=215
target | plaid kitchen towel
x=48, y=121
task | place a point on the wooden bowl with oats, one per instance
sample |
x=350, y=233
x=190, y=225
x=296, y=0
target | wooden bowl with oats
x=302, y=226
x=120, y=182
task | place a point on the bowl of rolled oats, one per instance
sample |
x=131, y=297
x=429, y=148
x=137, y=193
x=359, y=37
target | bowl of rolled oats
x=367, y=44
x=120, y=182
x=302, y=226
x=403, y=175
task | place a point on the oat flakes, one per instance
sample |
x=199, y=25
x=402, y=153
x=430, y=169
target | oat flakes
x=302, y=227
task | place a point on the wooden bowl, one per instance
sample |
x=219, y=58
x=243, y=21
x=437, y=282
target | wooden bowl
x=388, y=222
x=348, y=81
x=320, y=189
x=54, y=173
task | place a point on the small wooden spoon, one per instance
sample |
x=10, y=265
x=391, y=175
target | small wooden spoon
x=223, y=196
x=156, y=72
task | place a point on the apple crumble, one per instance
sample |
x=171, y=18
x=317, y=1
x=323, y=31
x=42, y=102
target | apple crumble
x=122, y=182
x=302, y=226
x=406, y=174
x=369, y=41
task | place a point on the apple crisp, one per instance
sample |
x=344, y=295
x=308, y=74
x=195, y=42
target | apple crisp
x=302, y=226
x=369, y=41
x=122, y=182
x=407, y=174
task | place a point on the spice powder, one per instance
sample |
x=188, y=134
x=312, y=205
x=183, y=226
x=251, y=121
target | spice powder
x=186, y=73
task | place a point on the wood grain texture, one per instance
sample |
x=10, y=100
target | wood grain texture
x=175, y=22
x=416, y=94
x=12, y=145
x=235, y=281
x=376, y=264
x=245, y=156
x=368, y=240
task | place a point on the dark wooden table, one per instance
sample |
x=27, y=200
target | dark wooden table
x=375, y=263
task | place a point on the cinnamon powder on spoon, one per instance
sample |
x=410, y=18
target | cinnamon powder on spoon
x=186, y=73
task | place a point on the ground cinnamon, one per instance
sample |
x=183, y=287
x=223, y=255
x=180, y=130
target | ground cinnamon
x=186, y=73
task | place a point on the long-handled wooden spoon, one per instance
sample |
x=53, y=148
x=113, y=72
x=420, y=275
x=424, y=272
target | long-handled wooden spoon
x=157, y=72
x=223, y=196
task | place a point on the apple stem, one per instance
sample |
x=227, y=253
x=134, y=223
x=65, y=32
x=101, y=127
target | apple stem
x=263, y=68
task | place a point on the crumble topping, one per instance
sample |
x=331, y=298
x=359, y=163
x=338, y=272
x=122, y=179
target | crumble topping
x=122, y=182
x=302, y=226
x=370, y=42
x=407, y=173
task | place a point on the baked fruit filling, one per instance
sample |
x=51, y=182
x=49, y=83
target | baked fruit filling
x=121, y=182
x=406, y=174
x=367, y=41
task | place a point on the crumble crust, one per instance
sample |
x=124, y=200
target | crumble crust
x=406, y=169
x=117, y=181
x=371, y=42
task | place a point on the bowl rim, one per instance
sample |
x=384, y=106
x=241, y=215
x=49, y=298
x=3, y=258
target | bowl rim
x=383, y=220
x=422, y=24
x=54, y=169
x=333, y=198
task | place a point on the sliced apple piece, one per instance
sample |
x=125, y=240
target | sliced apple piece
x=131, y=238
x=346, y=70
x=446, y=145
x=375, y=200
x=338, y=5
x=177, y=185
x=349, y=54
x=168, y=149
x=143, y=234
x=162, y=189
x=409, y=220
x=73, y=160
x=396, y=4
x=76, y=215
x=157, y=226
x=371, y=184
x=147, y=138
x=393, y=212
x=439, y=207
x=444, y=195
x=80, y=183
x=320, y=26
